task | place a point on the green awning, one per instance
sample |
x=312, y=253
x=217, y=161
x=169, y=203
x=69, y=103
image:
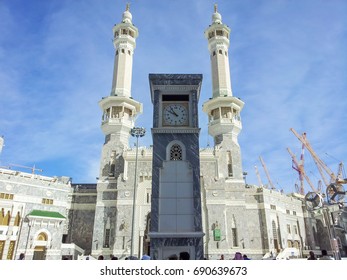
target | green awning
x=46, y=214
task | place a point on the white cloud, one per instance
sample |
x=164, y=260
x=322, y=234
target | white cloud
x=288, y=63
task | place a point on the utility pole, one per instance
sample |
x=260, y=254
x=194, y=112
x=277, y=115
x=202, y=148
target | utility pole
x=135, y=132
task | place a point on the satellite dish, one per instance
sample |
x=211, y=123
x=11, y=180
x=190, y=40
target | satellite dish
x=313, y=201
x=335, y=193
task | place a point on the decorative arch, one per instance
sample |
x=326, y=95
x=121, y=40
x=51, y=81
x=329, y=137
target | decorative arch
x=42, y=237
x=17, y=219
x=42, y=240
x=5, y=217
x=290, y=244
x=175, y=150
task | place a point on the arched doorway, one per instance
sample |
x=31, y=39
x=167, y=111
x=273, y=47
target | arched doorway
x=40, y=246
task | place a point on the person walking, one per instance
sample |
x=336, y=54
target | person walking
x=325, y=255
x=311, y=256
x=238, y=256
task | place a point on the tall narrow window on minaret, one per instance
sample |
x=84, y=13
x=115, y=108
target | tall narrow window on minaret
x=112, y=165
x=230, y=164
x=234, y=237
x=107, y=233
x=274, y=230
x=107, y=238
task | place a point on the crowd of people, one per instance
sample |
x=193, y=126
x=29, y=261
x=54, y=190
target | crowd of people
x=186, y=256
x=181, y=256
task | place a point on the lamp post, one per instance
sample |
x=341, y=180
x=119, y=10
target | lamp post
x=135, y=132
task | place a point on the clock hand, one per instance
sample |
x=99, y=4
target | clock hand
x=173, y=112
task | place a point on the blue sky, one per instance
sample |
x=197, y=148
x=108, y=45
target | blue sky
x=288, y=63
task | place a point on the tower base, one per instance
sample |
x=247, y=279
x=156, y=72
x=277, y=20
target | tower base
x=164, y=245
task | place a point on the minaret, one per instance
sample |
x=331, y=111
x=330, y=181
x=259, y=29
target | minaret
x=119, y=113
x=223, y=109
x=119, y=109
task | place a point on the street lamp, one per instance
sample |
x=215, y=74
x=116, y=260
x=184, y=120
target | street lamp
x=135, y=132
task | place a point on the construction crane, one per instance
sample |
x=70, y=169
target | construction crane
x=258, y=176
x=340, y=171
x=267, y=173
x=335, y=190
x=319, y=163
x=33, y=169
x=300, y=168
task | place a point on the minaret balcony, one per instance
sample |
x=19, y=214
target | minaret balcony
x=112, y=126
x=236, y=120
x=116, y=121
x=124, y=41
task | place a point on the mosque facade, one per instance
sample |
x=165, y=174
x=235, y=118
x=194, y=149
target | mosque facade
x=51, y=218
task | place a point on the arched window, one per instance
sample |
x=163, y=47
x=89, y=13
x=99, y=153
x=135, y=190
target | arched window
x=176, y=152
x=5, y=219
x=234, y=235
x=274, y=230
x=42, y=237
x=17, y=220
x=2, y=215
x=290, y=244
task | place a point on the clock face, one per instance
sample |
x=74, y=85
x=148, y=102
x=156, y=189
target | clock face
x=175, y=115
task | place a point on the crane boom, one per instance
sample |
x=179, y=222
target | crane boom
x=258, y=176
x=267, y=173
x=33, y=169
x=300, y=168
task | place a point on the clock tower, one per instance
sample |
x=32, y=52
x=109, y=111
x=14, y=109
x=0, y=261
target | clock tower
x=176, y=224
